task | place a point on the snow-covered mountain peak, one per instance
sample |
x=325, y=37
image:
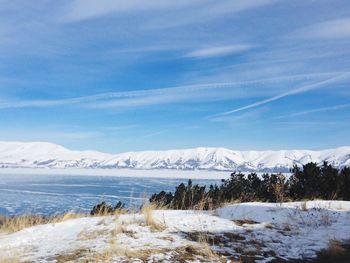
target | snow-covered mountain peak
x=45, y=154
x=49, y=155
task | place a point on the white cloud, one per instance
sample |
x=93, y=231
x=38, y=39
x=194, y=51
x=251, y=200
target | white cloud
x=184, y=94
x=333, y=29
x=324, y=109
x=189, y=93
x=121, y=127
x=79, y=10
x=206, y=10
x=148, y=135
x=248, y=117
x=47, y=135
x=219, y=51
x=301, y=89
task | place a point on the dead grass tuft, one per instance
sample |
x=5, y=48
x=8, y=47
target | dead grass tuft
x=11, y=255
x=72, y=256
x=167, y=238
x=203, y=248
x=336, y=252
x=16, y=223
x=245, y=222
x=85, y=235
x=196, y=253
x=10, y=260
x=334, y=248
x=269, y=226
x=286, y=227
x=203, y=240
x=147, y=211
x=118, y=229
x=115, y=251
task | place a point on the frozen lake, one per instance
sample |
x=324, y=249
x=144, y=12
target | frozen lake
x=50, y=194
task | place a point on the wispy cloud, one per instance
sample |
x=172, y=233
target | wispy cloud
x=134, y=98
x=122, y=127
x=48, y=135
x=79, y=10
x=324, y=109
x=219, y=51
x=179, y=94
x=247, y=117
x=193, y=10
x=152, y=134
x=203, y=11
x=333, y=29
x=311, y=124
x=295, y=91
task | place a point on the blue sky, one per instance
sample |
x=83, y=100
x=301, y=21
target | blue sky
x=129, y=75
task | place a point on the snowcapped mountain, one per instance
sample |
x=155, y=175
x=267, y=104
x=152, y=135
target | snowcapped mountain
x=222, y=159
x=48, y=155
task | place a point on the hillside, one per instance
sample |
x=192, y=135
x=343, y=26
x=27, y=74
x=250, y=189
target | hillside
x=246, y=232
x=49, y=155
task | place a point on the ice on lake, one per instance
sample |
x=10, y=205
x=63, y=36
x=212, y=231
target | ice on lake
x=50, y=194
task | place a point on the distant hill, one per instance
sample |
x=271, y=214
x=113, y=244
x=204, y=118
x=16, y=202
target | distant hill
x=49, y=155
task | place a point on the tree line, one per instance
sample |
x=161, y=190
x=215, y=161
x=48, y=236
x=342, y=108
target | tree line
x=307, y=182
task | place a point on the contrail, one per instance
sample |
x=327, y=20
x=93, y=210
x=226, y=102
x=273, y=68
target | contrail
x=288, y=93
x=331, y=108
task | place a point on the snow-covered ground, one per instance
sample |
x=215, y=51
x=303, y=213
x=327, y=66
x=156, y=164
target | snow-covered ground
x=262, y=231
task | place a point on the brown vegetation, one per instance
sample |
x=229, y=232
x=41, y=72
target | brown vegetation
x=147, y=211
x=16, y=223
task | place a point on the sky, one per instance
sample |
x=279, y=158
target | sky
x=130, y=75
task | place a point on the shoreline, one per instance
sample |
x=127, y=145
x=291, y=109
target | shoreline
x=162, y=173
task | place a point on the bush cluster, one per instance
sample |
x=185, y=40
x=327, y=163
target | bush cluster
x=105, y=209
x=309, y=182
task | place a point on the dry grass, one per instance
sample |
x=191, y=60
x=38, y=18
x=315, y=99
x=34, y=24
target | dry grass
x=193, y=252
x=336, y=252
x=240, y=222
x=203, y=240
x=167, y=238
x=334, y=248
x=278, y=189
x=10, y=255
x=16, y=223
x=115, y=251
x=72, y=256
x=203, y=247
x=287, y=227
x=118, y=229
x=10, y=260
x=200, y=252
x=205, y=203
x=85, y=235
x=269, y=226
x=147, y=211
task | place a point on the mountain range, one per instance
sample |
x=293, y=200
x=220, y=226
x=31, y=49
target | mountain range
x=49, y=155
